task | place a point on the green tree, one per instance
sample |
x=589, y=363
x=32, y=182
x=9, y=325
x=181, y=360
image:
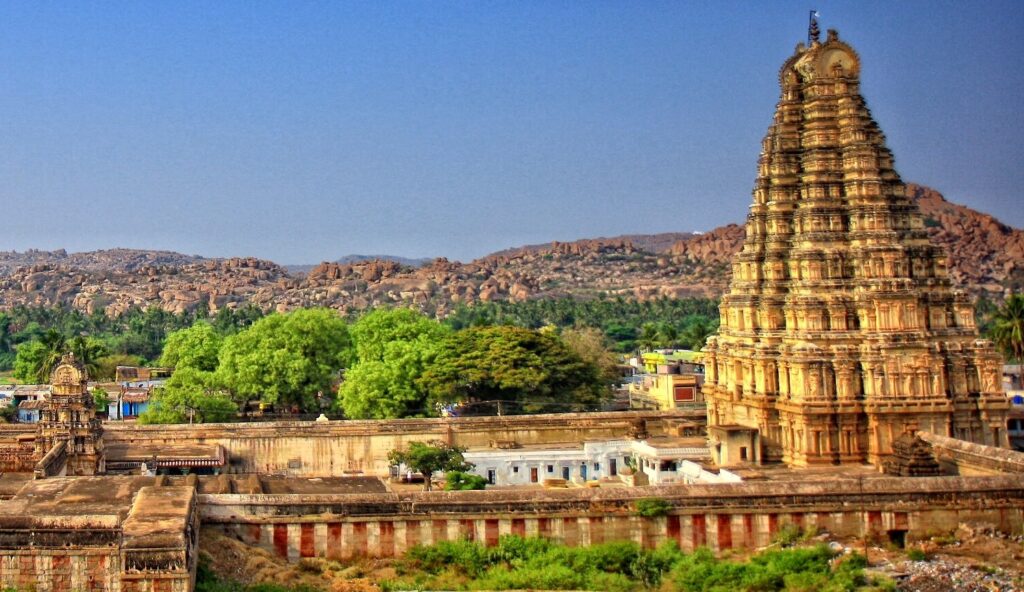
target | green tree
x=286, y=358
x=189, y=396
x=591, y=346
x=1008, y=327
x=526, y=371
x=89, y=351
x=428, y=458
x=30, y=361
x=393, y=347
x=196, y=347
x=106, y=367
x=668, y=335
x=101, y=399
x=648, y=338
x=696, y=330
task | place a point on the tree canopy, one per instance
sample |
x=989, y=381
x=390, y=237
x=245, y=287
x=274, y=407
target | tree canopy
x=195, y=347
x=393, y=347
x=1008, y=327
x=190, y=396
x=428, y=458
x=286, y=358
x=527, y=371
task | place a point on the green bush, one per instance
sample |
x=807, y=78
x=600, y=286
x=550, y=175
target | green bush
x=536, y=563
x=464, y=556
x=460, y=481
x=652, y=507
x=916, y=554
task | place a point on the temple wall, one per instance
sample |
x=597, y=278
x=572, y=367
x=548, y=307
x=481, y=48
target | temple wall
x=338, y=447
x=720, y=517
x=61, y=570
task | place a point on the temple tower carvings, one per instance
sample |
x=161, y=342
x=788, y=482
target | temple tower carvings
x=841, y=330
x=69, y=419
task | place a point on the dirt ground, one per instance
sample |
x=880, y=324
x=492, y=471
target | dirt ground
x=973, y=559
x=232, y=559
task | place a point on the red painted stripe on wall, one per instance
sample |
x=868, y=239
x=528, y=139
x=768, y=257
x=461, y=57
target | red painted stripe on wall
x=281, y=540
x=307, y=545
x=387, y=539
x=672, y=529
x=334, y=540
x=724, y=531
x=359, y=546
x=412, y=533
x=467, y=529
x=439, y=529
x=700, y=530
x=491, y=532
x=519, y=526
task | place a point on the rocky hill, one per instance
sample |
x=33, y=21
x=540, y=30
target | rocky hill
x=986, y=257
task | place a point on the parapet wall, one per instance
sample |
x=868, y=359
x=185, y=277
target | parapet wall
x=721, y=516
x=336, y=448
x=959, y=457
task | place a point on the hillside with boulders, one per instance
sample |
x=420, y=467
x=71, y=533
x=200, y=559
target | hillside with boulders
x=987, y=257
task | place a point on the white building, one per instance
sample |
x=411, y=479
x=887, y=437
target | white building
x=659, y=459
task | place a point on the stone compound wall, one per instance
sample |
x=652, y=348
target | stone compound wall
x=82, y=570
x=721, y=517
x=151, y=550
x=339, y=447
x=58, y=570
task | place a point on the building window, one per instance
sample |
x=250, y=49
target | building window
x=491, y=476
x=551, y=468
x=743, y=453
x=684, y=394
x=597, y=467
x=613, y=467
x=515, y=469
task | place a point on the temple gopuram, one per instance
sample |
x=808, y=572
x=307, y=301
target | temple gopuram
x=841, y=330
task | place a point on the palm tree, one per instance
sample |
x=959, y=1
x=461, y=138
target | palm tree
x=669, y=335
x=697, y=332
x=648, y=337
x=88, y=351
x=1008, y=327
x=56, y=346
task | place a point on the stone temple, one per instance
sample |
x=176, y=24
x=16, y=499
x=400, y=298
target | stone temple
x=841, y=330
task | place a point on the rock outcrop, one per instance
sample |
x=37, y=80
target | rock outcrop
x=986, y=257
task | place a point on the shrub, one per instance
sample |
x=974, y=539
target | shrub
x=514, y=549
x=652, y=507
x=465, y=556
x=460, y=481
x=917, y=554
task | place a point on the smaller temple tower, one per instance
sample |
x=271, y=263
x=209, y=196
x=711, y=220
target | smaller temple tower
x=69, y=419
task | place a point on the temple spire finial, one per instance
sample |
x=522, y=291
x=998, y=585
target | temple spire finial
x=813, y=32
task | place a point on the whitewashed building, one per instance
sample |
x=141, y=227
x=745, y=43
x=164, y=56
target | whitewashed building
x=660, y=459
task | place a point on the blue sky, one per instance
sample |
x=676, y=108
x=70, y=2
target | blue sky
x=303, y=131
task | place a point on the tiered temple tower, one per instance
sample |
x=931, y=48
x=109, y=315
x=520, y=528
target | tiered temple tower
x=841, y=330
x=69, y=418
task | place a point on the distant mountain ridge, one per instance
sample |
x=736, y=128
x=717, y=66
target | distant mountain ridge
x=986, y=257
x=354, y=258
